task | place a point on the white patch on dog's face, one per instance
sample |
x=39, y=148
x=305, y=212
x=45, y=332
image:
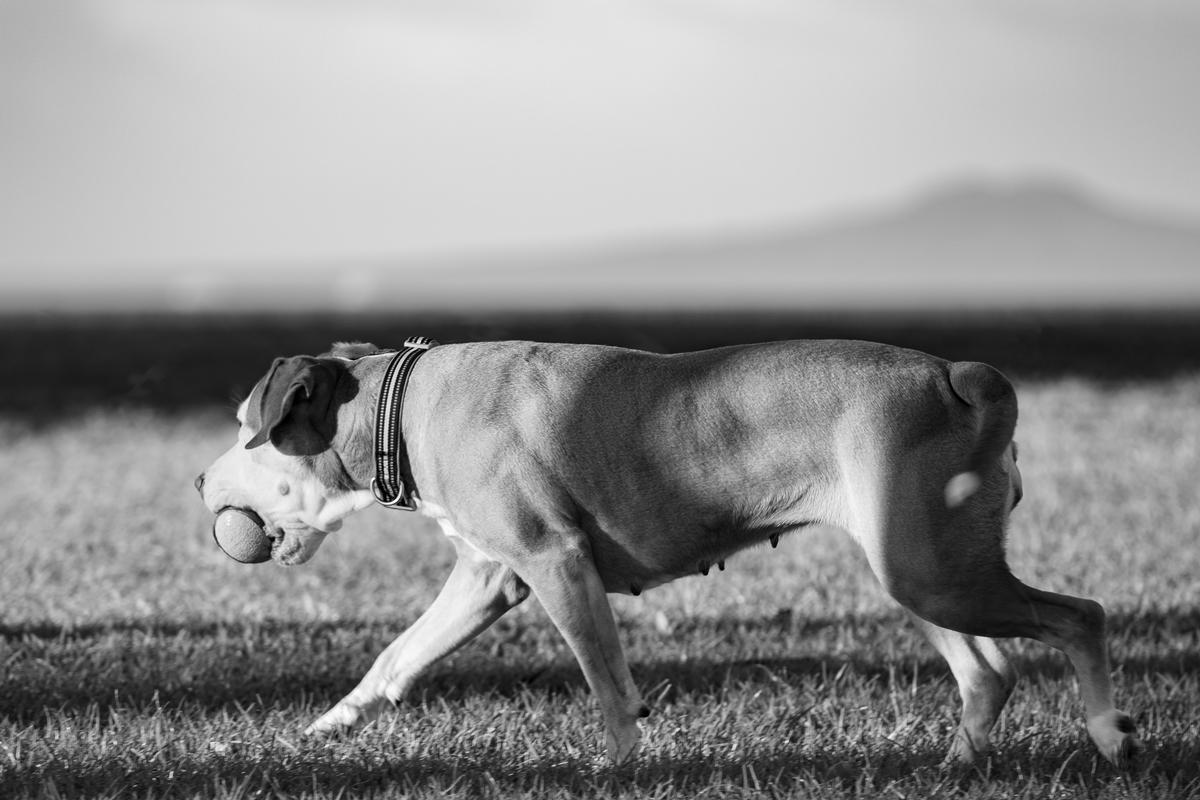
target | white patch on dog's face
x=298, y=510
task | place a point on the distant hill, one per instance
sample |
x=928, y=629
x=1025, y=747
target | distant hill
x=1039, y=243
x=972, y=244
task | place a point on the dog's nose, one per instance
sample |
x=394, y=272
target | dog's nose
x=200, y=484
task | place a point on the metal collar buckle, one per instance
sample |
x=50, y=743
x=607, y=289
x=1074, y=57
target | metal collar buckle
x=400, y=501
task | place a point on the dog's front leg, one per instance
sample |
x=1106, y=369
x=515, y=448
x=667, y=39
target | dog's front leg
x=476, y=594
x=569, y=588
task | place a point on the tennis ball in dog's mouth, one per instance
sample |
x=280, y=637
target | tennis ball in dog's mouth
x=239, y=533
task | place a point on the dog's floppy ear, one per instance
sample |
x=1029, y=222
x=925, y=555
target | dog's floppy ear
x=297, y=405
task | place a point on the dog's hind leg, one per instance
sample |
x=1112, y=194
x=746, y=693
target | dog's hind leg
x=565, y=580
x=985, y=680
x=992, y=603
x=1004, y=607
x=477, y=593
x=947, y=566
x=1076, y=626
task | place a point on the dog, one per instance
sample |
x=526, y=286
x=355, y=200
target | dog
x=574, y=471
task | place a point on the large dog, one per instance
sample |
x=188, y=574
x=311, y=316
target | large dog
x=574, y=471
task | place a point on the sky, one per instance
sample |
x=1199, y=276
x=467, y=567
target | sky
x=152, y=140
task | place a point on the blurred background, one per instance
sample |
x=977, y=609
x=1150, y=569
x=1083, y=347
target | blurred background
x=1021, y=178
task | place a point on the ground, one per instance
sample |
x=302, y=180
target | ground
x=137, y=660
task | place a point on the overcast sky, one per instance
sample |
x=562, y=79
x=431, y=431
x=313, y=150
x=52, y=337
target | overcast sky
x=177, y=133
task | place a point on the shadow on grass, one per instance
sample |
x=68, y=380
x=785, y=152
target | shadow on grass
x=209, y=666
x=1151, y=622
x=1025, y=769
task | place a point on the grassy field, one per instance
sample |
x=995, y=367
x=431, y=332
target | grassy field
x=137, y=661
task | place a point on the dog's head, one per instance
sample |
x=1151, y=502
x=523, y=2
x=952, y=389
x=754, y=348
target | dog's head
x=288, y=464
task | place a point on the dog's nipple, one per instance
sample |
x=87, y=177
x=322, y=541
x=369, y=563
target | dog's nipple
x=703, y=567
x=774, y=540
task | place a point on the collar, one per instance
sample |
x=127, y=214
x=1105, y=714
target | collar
x=390, y=457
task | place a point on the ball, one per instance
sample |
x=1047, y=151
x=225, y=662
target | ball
x=239, y=533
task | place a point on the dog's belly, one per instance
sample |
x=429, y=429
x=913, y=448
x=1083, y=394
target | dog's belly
x=643, y=537
x=629, y=564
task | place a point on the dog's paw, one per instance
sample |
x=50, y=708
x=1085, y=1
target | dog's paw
x=966, y=750
x=1116, y=737
x=622, y=744
x=324, y=728
x=340, y=720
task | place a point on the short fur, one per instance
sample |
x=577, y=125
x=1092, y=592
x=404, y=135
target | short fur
x=575, y=471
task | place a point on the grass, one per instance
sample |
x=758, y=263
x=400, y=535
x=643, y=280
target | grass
x=137, y=661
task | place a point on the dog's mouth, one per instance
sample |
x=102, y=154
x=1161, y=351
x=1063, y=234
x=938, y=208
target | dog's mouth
x=285, y=552
x=284, y=548
x=295, y=545
x=247, y=537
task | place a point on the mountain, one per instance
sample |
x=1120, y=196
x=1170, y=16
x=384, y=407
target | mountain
x=971, y=244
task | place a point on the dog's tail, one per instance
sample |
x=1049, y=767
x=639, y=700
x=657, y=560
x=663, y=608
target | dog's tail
x=990, y=394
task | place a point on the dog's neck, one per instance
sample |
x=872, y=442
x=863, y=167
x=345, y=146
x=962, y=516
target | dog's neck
x=354, y=442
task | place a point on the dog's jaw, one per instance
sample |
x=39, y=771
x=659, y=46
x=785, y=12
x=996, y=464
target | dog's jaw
x=297, y=545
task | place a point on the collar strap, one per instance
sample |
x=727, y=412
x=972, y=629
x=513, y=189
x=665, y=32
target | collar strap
x=388, y=484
